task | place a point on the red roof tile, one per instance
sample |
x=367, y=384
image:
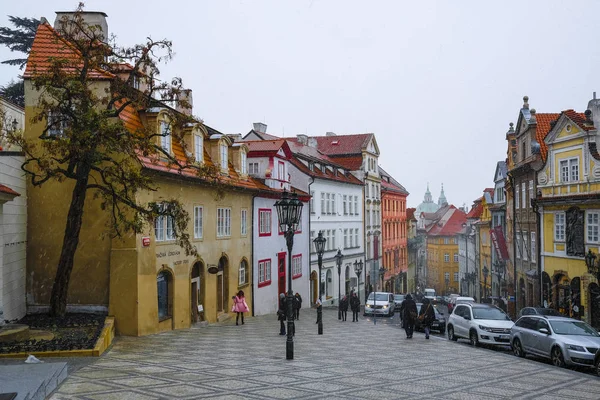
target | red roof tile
x=343, y=144
x=7, y=190
x=476, y=210
x=452, y=226
x=542, y=129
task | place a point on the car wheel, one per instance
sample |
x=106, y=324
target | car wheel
x=557, y=357
x=517, y=348
x=473, y=338
x=598, y=366
x=451, y=334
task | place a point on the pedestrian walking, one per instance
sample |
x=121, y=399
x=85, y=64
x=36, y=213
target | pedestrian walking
x=281, y=313
x=426, y=316
x=297, y=305
x=344, y=307
x=239, y=306
x=408, y=310
x=354, y=306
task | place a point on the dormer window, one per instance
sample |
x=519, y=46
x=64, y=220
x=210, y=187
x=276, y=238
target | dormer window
x=198, y=148
x=165, y=136
x=244, y=168
x=281, y=171
x=223, y=154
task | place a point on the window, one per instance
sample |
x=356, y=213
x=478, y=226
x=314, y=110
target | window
x=198, y=148
x=525, y=246
x=243, y=273
x=456, y=277
x=569, y=170
x=345, y=202
x=593, y=226
x=198, y=231
x=447, y=276
x=244, y=222
x=346, y=238
x=56, y=125
x=312, y=243
x=165, y=138
x=356, y=238
x=264, y=273
x=264, y=225
x=355, y=205
x=499, y=192
x=322, y=203
x=559, y=227
x=519, y=246
x=312, y=202
x=223, y=222
x=296, y=266
x=223, y=153
x=524, y=194
x=367, y=190
x=445, y=240
x=281, y=171
x=517, y=205
x=333, y=207
x=163, y=227
x=253, y=168
x=531, y=195
x=328, y=203
x=446, y=257
x=244, y=169
x=162, y=290
x=455, y=257
x=533, y=248
x=455, y=240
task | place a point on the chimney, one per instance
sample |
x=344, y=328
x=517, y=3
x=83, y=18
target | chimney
x=312, y=142
x=303, y=139
x=329, y=134
x=91, y=18
x=185, y=97
x=594, y=107
x=260, y=127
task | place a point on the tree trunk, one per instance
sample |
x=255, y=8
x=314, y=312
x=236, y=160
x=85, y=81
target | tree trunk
x=58, y=300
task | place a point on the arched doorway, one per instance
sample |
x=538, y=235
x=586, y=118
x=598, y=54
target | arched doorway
x=546, y=289
x=164, y=291
x=197, y=290
x=563, y=294
x=223, y=285
x=594, y=305
x=575, y=297
x=314, y=287
x=347, y=285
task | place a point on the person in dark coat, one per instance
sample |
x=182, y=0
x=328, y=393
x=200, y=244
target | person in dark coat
x=408, y=310
x=354, y=306
x=281, y=313
x=426, y=316
x=297, y=305
x=344, y=307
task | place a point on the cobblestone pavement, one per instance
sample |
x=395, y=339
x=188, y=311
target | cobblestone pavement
x=350, y=361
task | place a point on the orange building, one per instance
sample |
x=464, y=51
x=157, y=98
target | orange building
x=394, y=235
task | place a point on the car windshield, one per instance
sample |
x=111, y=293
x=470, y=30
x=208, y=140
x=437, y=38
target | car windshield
x=578, y=328
x=489, y=313
x=380, y=296
x=399, y=297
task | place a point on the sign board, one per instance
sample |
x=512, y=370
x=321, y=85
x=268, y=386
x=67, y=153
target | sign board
x=511, y=298
x=145, y=241
x=200, y=308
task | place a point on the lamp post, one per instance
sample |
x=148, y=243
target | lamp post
x=289, y=214
x=358, y=267
x=338, y=261
x=485, y=275
x=319, y=242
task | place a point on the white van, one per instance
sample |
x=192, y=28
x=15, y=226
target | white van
x=380, y=303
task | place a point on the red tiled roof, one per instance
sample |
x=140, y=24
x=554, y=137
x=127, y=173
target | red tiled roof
x=476, y=211
x=542, y=129
x=353, y=163
x=452, y=226
x=339, y=177
x=579, y=119
x=7, y=190
x=343, y=144
x=410, y=213
x=48, y=46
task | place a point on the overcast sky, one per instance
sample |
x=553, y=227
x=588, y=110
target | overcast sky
x=437, y=81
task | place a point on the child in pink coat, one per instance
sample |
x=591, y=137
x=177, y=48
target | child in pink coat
x=239, y=306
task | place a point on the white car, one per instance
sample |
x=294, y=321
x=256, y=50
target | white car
x=479, y=323
x=382, y=304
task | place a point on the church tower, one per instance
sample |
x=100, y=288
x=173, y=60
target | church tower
x=442, y=201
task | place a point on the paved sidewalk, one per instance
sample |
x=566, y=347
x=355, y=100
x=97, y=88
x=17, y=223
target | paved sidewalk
x=350, y=361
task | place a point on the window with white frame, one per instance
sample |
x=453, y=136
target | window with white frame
x=244, y=170
x=312, y=243
x=524, y=194
x=593, y=226
x=355, y=205
x=447, y=276
x=333, y=205
x=253, y=168
x=456, y=277
x=367, y=190
x=328, y=203
x=297, y=266
x=198, y=148
x=281, y=171
x=559, y=227
x=517, y=203
x=533, y=248
x=525, y=246
x=264, y=272
x=264, y=222
x=345, y=204
x=223, y=222
x=531, y=194
x=312, y=202
x=244, y=222
x=445, y=240
x=163, y=227
x=346, y=238
x=569, y=170
x=499, y=192
x=446, y=257
x=223, y=153
x=165, y=138
x=323, y=210
x=243, y=273
x=455, y=257
x=356, y=238
x=56, y=124
x=519, y=246
x=198, y=227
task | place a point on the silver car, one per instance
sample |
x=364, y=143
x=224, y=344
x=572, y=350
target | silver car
x=565, y=341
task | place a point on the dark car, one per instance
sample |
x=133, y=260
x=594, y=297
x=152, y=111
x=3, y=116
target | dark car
x=398, y=299
x=439, y=324
x=539, y=311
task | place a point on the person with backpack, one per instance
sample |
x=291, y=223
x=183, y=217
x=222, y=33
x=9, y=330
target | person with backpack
x=408, y=310
x=426, y=316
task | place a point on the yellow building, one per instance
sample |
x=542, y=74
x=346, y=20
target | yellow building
x=568, y=201
x=483, y=227
x=146, y=281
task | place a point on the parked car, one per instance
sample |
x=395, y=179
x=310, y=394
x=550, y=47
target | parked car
x=480, y=323
x=597, y=362
x=565, y=341
x=439, y=324
x=539, y=311
x=458, y=300
x=398, y=299
x=383, y=304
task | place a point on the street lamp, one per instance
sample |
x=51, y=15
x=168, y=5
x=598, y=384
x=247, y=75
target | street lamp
x=338, y=261
x=319, y=242
x=289, y=214
x=485, y=275
x=358, y=267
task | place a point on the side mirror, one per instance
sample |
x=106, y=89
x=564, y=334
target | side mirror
x=544, y=331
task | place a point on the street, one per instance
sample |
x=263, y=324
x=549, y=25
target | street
x=351, y=360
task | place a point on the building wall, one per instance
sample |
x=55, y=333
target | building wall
x=394, y=233
x=437, y=266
